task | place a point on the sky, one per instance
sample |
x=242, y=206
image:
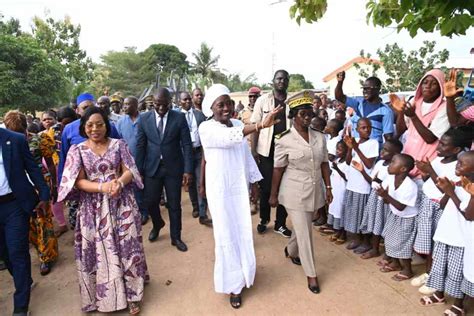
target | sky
x=251, y=36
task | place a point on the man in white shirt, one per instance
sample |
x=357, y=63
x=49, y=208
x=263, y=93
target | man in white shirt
x=194, y=118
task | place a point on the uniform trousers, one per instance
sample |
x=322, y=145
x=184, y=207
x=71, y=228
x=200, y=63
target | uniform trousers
x=301, y=241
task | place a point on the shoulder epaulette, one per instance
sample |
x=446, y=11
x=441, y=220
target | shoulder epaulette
x=278, y=136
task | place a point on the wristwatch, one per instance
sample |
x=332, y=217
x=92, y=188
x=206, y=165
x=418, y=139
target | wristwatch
x=329, y=187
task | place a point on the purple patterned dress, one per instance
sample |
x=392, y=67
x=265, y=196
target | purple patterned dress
x=109, y=252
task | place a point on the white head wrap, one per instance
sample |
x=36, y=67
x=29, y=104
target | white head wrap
x=215, y=91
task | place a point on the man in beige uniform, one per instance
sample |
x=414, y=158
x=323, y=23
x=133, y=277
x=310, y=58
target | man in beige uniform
x=300, y=166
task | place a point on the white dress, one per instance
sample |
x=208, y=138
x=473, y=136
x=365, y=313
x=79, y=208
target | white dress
x=229, y=169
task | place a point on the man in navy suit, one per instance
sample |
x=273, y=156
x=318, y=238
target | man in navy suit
x=164, y=159
x=18, y=200
x=194, y=118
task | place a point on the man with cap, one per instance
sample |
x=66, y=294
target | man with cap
x=264, y=145
x=245, y=115
x=71, y=136
x=116, y=105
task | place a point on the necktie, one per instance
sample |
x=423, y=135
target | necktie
x=189, y=119
x=160, y=127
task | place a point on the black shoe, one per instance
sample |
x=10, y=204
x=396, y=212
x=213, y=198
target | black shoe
x=295, y=260
x=205, y=221
x=320, y=221
x=262, y=227
x=155, y=232
x=314, y=288
x=45, y=268
x=195, y=213
x=283, y=230
x=179, y=244
x=144, y=219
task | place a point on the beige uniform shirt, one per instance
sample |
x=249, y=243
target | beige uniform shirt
x=263, y=106
x=301, y=187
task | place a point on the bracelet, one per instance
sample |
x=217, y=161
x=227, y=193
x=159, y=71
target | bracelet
x=100, y=187
x=121, y=183
x=262, y=126
x=329, y=187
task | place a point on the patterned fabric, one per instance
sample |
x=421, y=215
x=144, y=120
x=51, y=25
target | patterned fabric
x=335, y=222
x=72, y=206
x=54, y=132
x=467, y=287
x=110, y=260
x=427, y=221
x=41, y=227
x=353, y=211
x=446, y=272
x=399, y=235
x=375, y=215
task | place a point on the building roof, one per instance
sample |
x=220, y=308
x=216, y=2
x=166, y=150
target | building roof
x=349, y=64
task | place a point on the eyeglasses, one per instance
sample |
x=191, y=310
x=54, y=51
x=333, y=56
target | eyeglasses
x=370, y=88
x=253, y=96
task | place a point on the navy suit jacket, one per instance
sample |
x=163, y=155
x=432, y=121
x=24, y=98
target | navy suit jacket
x=175, y=147
x=18, y=161
x=200, y=117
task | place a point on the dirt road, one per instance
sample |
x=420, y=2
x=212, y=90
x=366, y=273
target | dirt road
x=349, y=285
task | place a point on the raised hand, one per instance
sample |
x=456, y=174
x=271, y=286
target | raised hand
x=424, y=166
x=445, y=185
x=450, y=89
x=467, y=185
x=341, y=76
x=397, y=103
x=270, y=119
x=409, y=109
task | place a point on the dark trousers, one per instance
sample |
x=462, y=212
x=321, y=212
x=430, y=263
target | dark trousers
x=139, y=197
x=14, y=229
x=153, y=189
x=197, y=201
x=266, y=169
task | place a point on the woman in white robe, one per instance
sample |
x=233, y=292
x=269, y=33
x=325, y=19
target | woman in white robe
x=229, y=169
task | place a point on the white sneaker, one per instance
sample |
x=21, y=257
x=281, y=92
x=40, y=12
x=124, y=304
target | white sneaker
x=420, y=280
x=426, y=290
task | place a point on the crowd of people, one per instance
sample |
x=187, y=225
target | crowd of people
x=364, y=173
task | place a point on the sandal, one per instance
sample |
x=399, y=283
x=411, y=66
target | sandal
x=449, y=312
x=133, y=308
x=235, y=300
x=340, y=241
x=333, y=238
x=430, y=300
x=387, y=268
x=401, y=277
x=383, y=263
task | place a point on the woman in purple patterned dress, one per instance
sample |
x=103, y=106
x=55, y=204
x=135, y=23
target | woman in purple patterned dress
x=109, y=252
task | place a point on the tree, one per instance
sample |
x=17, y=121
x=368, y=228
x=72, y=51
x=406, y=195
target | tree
x=10, y=27
x=167, y=58
x=451, y=17
x=298, y=82
x=60, y=39
x=404, y=70
x=206, y=64
x=29, y=79
x=121, y=71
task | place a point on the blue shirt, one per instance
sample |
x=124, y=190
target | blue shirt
x=380, y=115
x=128, y=129
x=71, y=136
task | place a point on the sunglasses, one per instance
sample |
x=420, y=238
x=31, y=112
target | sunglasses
x=253, y=96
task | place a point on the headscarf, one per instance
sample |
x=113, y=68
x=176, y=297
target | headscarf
x=215, y=91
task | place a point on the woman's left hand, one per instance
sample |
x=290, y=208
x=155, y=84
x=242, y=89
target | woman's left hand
x=329, y=196
x=254, y=192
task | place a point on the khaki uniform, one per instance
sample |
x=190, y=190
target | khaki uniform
x=301, y=188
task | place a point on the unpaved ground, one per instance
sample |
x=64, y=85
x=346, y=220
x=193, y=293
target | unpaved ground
x=349, y=285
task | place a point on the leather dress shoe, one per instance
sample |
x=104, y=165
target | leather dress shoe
x=315, y=289
x=195, y=213
x=180, y=245
x=144, y=219
x=155, y=232
x=205, y=221
x=295, y=260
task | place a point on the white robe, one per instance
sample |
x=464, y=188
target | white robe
x=229, y=169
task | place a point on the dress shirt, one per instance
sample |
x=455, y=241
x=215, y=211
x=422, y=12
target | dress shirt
x=193, y=127
x=127, y=129
x=158, y=119
x=4, y=186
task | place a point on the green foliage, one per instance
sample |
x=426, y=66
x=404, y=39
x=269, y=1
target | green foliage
x=298, y=83
x=205, y=68
x=60, y=39
x=449, y=17
x=405, y=69
x=10, y=27
x=168, y=58
x=29, y=79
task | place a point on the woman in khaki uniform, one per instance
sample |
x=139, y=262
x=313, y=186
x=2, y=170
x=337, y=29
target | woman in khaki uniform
x=301, y=166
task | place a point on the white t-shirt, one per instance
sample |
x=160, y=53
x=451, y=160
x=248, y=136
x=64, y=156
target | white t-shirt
x=332, y=144
x=452, y=224
x=447, y=170
x=406, y=193
x=380, y=171
x=355, y=180
x=338, y=189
